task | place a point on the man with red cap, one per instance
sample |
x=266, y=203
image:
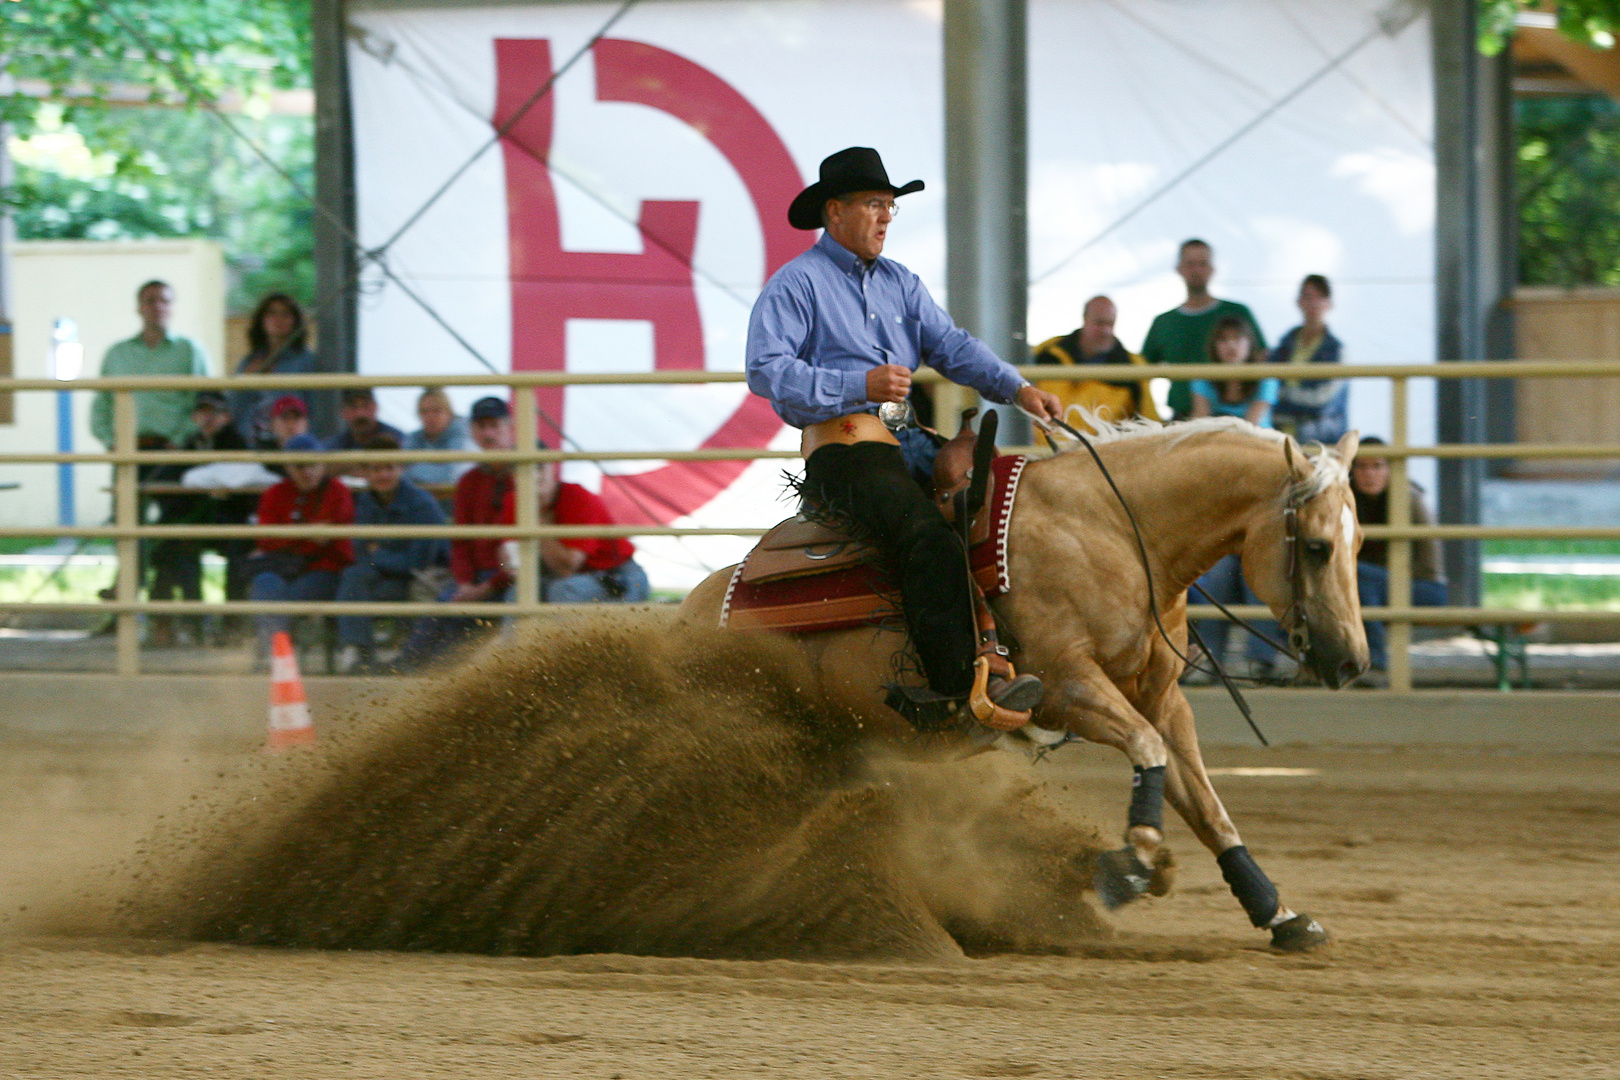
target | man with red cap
x=835, y=334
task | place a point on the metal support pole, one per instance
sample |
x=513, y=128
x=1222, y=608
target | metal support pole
x=334, y=192
x=525, y=481
x=126, y=511
x=1399, y=638
x=1474, y=267
x=987, y=269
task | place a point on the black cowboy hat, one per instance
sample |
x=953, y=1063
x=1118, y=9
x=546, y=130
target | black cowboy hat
x=857, y=169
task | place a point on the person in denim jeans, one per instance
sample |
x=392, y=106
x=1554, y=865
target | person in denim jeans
x=384, y=569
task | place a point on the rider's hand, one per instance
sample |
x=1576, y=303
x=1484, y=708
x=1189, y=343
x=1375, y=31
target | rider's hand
x=1035, y=401
x=891, y=382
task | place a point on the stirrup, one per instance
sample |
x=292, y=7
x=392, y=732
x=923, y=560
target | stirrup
x=986, y=710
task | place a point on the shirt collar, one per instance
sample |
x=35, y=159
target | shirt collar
x=843, y=258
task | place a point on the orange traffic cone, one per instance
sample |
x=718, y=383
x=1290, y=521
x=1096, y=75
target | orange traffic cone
x=290, y=724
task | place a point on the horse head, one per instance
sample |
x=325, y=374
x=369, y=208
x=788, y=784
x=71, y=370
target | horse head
x=1301, y=561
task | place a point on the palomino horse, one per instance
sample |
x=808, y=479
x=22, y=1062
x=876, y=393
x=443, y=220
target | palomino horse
x=1078, y=614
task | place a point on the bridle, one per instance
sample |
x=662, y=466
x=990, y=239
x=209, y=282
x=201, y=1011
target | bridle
x=1293, y=618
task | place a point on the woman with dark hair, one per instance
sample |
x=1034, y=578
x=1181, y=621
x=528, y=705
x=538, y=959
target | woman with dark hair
x=278, y=345
x=1232, y=342
x=1312, y=409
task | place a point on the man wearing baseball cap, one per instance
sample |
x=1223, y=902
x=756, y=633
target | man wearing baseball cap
x=836, y=333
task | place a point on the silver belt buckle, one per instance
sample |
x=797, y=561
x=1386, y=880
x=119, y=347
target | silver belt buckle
x=896, y=414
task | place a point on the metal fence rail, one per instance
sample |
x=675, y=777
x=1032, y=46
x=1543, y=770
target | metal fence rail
x=127, y=530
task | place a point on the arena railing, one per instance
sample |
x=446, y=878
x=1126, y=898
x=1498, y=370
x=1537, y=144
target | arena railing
x=127, y=530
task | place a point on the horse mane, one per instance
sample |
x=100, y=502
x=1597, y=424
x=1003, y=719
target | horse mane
x=1326, y=469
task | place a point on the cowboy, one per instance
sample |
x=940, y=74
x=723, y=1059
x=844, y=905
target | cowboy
x=835, y=334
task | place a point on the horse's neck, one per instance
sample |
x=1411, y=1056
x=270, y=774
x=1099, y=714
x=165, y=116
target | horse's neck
x=1194, y=502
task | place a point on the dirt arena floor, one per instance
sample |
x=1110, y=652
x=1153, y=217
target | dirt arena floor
x=1472, y=895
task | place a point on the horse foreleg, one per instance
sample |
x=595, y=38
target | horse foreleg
x=1193, y=796
x=1086, y=703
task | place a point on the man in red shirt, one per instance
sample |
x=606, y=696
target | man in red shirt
x=289, y=569
x=587, y=569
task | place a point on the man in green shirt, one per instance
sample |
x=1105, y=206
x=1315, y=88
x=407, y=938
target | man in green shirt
x=1181, y=335
x=162, y=417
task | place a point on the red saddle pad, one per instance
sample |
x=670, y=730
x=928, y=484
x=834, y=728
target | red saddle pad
x=867, y=594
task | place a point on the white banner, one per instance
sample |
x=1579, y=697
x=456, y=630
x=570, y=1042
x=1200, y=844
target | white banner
x=631, y=215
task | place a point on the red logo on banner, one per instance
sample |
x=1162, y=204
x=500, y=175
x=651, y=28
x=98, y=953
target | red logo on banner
x=551, y=286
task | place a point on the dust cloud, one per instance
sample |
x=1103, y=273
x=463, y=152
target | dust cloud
x=621, y=784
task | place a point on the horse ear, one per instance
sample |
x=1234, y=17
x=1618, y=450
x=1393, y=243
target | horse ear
x=1294, y=456
x=1346, y=450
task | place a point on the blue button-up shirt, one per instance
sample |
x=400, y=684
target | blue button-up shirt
x=826, y=319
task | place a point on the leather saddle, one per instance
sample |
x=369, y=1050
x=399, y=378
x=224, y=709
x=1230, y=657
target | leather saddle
x=799, y=547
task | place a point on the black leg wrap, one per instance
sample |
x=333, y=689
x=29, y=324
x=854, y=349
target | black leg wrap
x=1249, y=884
x=1147, y=798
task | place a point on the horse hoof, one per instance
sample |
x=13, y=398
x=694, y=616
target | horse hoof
x=1164, y=873
x=1299, y=934
x=1120, y=877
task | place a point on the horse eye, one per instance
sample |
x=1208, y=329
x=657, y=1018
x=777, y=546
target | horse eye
x=1319, y=549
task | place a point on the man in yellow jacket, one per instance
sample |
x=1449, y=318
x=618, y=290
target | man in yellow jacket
x=1094, y=343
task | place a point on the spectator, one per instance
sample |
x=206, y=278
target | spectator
x=441, y=429
x=483, y=495
x=360, y=424
x=1232, y=342
x=162, y=417
x=278, y=343
x=1369, y=480
x=586, y=570
x=289, y=416
x=384, y=569
x=1094, y=343
x=177, y=564
x=300, y=569
x=1312, y=409
x=1179, y=335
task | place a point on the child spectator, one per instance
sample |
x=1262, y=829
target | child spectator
x=1312, y=409
x=1232, y=341
x=278, y=341
x=300, y=569
x=441, y=429
x=289, y=416
x=384, y=569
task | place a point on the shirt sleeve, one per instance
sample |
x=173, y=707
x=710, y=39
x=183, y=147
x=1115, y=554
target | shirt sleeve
x=957, y=354
x=1268, y=391
x=1153, y=344
x=199, y=358
x=101, y=406
x=778, y=329
x=1204, y=389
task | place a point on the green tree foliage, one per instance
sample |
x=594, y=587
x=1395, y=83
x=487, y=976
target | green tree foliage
x=1568, y=182
x=1583, y=20
x=175, y=169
